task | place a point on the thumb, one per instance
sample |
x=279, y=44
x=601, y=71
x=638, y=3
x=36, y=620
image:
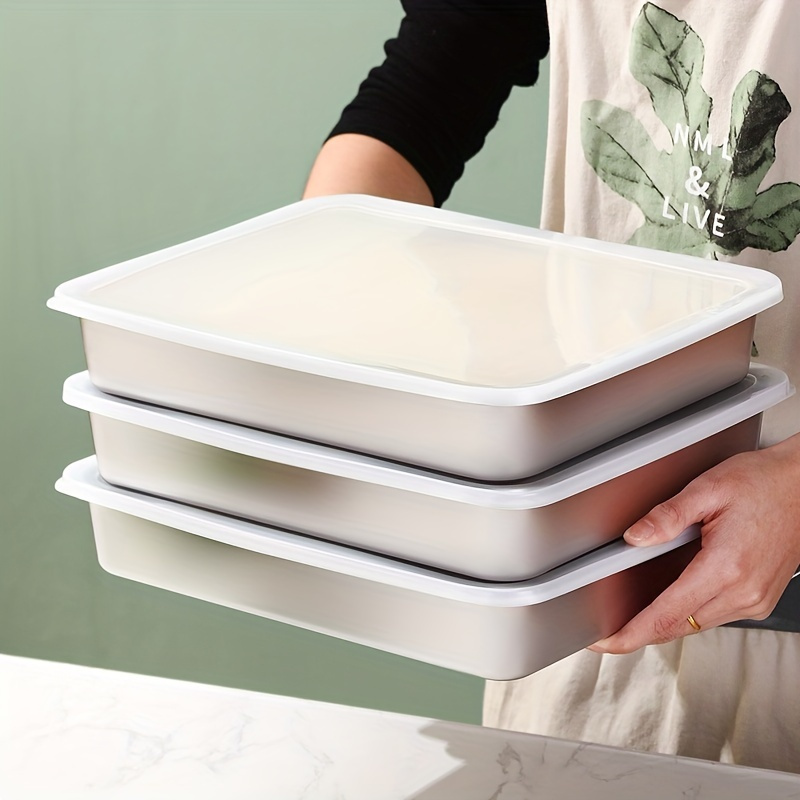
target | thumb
x=670, y=518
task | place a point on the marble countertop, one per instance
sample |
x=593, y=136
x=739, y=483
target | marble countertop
x=69, y=732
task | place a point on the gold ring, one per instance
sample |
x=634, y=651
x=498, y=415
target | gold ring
x=693, y=622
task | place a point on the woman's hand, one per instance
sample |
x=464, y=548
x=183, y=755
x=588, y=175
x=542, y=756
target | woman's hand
x=749, y=510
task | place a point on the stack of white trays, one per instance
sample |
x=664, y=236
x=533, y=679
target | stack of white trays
x=410, y=428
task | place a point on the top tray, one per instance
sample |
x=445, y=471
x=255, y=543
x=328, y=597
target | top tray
x=422, y=300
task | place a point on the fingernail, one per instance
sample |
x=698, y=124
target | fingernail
x=639, y=532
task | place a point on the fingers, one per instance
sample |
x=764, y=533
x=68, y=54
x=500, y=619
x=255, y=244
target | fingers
x=699, y=501
x=666, y=618
x=705, y=591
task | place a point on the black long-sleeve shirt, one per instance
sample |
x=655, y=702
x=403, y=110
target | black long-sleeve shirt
x=446, y=75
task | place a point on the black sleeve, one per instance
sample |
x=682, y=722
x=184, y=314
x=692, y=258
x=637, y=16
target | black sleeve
x=446, y=75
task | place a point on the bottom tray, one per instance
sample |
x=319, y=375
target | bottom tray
x=495, y=631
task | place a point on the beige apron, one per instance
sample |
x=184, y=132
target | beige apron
x=671, y=127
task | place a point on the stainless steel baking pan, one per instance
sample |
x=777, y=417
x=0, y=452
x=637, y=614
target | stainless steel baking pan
x=497, y=631
x=495, y=532
x=477, y=348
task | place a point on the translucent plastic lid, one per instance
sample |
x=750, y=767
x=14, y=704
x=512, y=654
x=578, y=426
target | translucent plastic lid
x=763, y=388
x=422, y=300
x=82, y=480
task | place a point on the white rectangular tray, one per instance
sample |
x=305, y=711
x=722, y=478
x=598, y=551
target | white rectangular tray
x=505, y=532
x=497, y=631
x=434, y=338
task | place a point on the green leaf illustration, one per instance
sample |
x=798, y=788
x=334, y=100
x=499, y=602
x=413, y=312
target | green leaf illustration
x=759, y=107
x=623, y=155
x=699, y=197
x=773, y=221
x=667, y=57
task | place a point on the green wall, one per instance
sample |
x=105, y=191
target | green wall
x=127, y=126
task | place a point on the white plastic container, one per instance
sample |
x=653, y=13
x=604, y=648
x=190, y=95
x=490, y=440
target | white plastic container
x=494, y=532
x=497, y=631
x=468, y=346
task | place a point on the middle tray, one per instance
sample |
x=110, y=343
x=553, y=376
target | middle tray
x=494, y=532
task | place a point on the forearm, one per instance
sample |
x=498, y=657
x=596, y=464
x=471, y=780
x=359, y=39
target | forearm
x=355, y=164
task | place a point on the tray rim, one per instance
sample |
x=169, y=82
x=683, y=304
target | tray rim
x=81, y=480
x=761, y=389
